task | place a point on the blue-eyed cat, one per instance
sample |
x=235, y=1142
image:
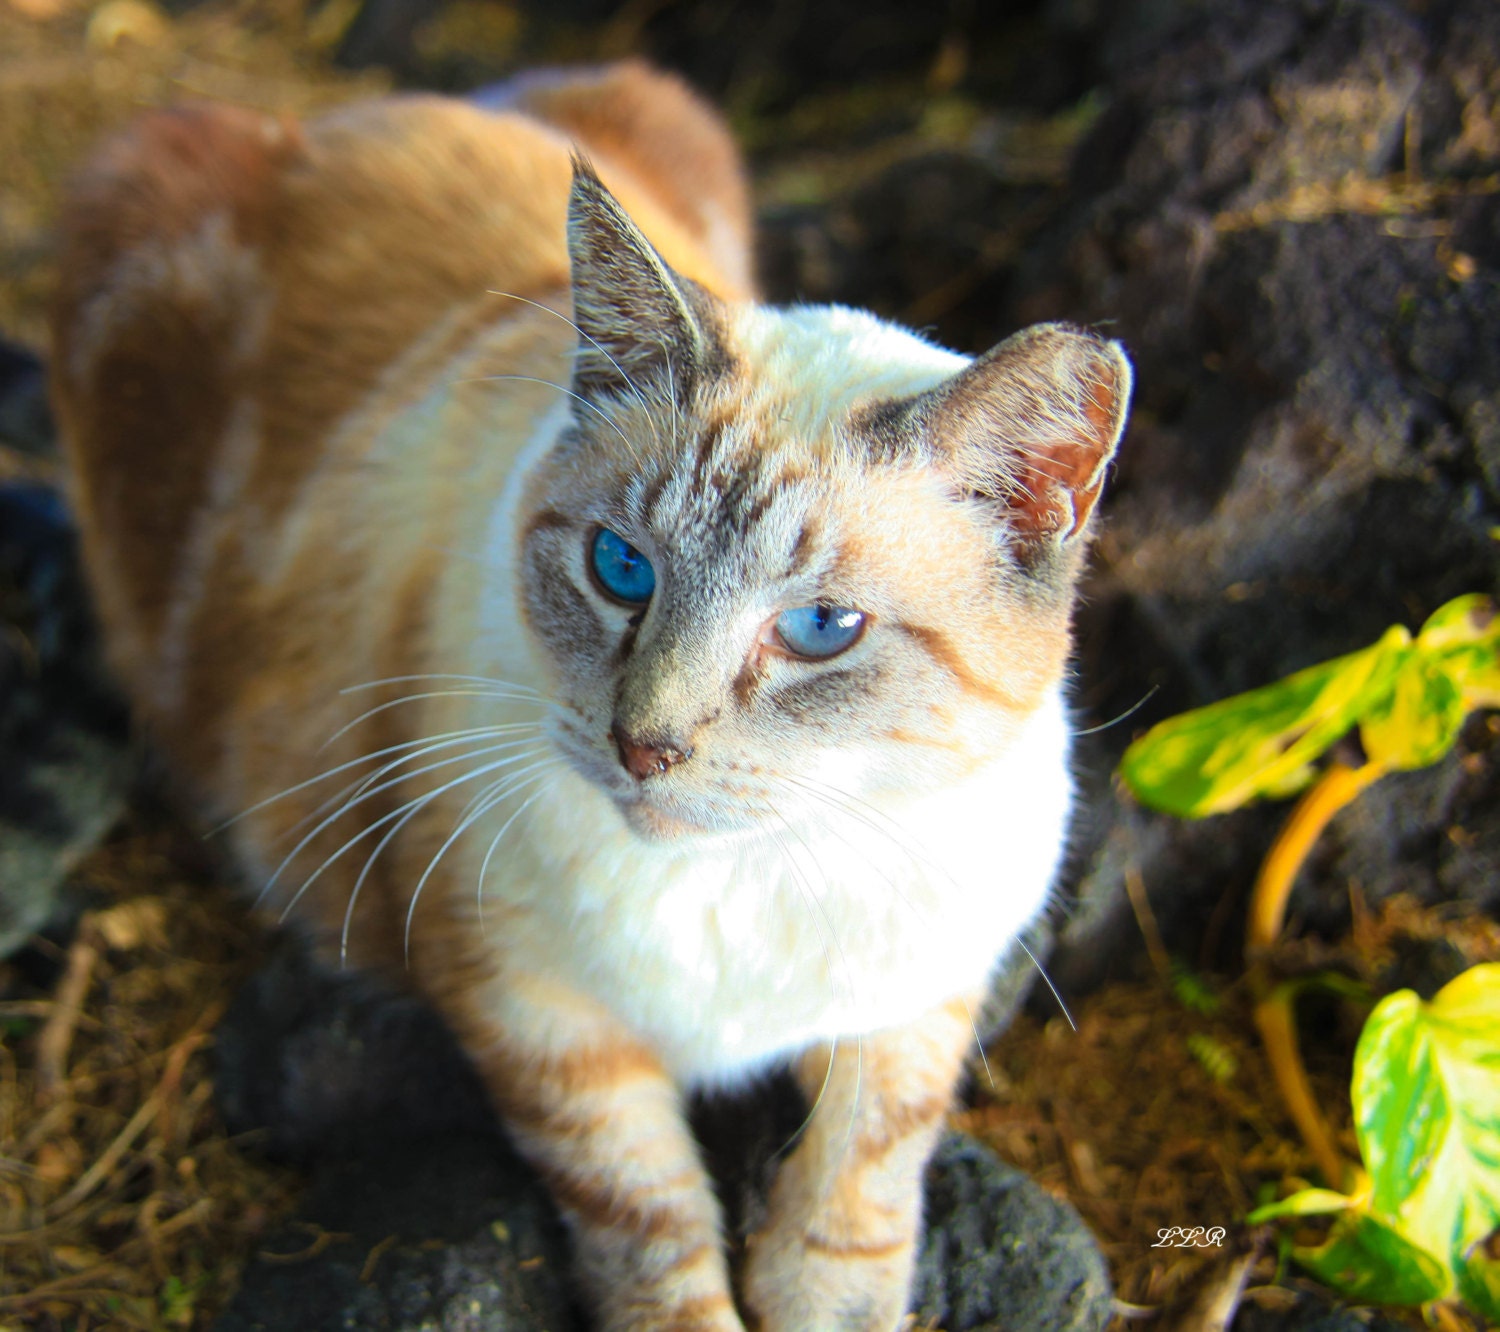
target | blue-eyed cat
x=695, y=667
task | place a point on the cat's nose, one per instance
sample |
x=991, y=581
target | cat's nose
x=643, y=758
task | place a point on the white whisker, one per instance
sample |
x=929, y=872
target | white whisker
x=979, y=1044
x=429, y=744
x=796, y=1137
x=577, y=397
x=815, y=909
x=836, y=799
x=350, y=805
x=484, y=866
x=1129, y=712
x=331, y=772
x=430, y=693
x=1042, y=971
x=462, y=826
x=416, y=807
x=462, y=737
x=593, y=342
x=419, y=801
x=846, y=801
x=445, y=675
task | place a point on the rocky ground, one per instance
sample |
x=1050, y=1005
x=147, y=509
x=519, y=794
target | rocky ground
x=1289, y=211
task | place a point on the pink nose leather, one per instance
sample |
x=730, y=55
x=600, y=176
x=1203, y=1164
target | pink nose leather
x=644, y=760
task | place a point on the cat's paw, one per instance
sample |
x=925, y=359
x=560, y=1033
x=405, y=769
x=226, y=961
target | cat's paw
x=714, y=1313
x=796, y=1282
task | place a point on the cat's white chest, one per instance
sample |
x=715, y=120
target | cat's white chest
x=725, y=960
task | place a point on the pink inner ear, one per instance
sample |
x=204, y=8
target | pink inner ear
x=1060, y=479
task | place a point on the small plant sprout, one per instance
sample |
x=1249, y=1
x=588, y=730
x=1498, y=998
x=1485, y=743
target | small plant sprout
x=1416, y=1222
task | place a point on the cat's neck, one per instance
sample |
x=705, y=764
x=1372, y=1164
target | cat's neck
x=844, y=915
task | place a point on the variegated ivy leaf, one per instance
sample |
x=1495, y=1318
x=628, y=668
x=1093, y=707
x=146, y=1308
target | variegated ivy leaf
x=1220, y=757
x=1418, y=720
x=1426, y=1096
x=1369, y=1260
x=1408, y=698
x=1465, y=636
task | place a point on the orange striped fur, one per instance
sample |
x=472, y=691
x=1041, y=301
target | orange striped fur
x=343, y=465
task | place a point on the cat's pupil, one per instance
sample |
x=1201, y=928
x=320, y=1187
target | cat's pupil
x=621, y=570
x=820, y=631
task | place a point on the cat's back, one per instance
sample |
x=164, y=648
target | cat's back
x=236, y=289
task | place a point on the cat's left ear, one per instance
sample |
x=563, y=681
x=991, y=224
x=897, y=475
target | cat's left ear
x=639, y=325
x=1033, y=424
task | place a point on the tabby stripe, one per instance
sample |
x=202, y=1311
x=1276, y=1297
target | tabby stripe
x=701, y=1313
x=940, y=648
x=708, y=444
x=856, y=1248
x=598, y=1207
x=807, y=542
x=543, y=520
x=900, y=1123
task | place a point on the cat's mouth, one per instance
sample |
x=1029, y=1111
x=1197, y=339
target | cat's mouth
x=649, y=820
x=658, y=817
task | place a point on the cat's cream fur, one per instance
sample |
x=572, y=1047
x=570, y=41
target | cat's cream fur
x=331, y=425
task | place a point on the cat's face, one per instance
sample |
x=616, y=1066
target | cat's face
x=783, y=558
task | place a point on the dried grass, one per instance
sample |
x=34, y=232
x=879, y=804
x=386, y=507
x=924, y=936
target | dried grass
x=122, y=1202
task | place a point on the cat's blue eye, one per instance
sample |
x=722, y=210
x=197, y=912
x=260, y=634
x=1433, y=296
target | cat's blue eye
x=623, y=572
x=819, y=631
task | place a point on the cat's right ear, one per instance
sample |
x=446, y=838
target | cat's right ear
x=639, y=330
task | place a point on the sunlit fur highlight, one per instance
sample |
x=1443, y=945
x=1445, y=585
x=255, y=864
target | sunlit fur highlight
x=338, y=453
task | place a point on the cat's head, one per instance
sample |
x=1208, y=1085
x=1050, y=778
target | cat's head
x=790, y=555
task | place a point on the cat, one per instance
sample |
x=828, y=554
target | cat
x=694, y=668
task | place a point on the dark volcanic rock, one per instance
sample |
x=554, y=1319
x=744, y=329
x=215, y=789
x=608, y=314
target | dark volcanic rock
x=65, y=756
x=438, y=1226
x=447, y=1234
x=1312, y=452
x=368, y=1087
x=1000, y=1252
x=65, y=759
x=1315, y=1313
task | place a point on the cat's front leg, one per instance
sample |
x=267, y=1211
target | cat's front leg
x=598, y=1116
x=840, y=1238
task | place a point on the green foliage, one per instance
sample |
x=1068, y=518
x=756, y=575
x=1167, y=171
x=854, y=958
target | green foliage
x=1426, y=1096
x=1193, y=992
x=1408, y=697
x=1214, y=1057
x=178, y=1301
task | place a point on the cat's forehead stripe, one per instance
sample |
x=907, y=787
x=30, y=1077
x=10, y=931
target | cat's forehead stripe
x=808, y=539
x=544, y=520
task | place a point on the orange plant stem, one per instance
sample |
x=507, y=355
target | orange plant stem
x=1338, y=785
x=1277, y=1024
x=1274, y=1017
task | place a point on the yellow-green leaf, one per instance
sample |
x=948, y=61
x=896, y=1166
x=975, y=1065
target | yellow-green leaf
x=1479, y=1284
x=1367, y=1259
x=1222, y=756
x=1418, y=721
x=1426, y=1095
x=1305, y=1202
x=1463, y=638
x=1408, y=698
